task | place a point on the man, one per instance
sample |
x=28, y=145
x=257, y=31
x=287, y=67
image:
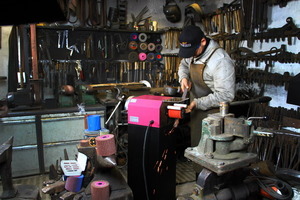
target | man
x=208, y=72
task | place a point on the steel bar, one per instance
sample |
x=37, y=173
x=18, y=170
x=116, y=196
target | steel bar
x=39, y=138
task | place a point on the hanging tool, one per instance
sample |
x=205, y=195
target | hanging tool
x=73, y=47
x=289, y=30
x=60, y=39
x=122, y=9
x=105, y=46
x=101, y=48
x=79, y=72
x=171, y=38
x=136, y=20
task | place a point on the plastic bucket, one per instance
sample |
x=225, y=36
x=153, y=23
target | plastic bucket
x=93, y=122
x=74, y=183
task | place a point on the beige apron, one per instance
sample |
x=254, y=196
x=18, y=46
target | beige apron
x=199, y=89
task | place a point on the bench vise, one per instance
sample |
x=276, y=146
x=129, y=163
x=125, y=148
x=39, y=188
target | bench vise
x=224, y=141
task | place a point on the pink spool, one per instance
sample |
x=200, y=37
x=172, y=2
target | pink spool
x=105, y=145
x=142, y=56
x=100, y=190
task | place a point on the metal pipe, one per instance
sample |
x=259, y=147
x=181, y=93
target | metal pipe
x=46, y=145
x=263, y=99
x=32, y=120
x=21, y=80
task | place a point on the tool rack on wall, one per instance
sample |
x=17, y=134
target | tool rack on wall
x=98, y=46
x=247, y=21
x=81, y=56
x=57, y=56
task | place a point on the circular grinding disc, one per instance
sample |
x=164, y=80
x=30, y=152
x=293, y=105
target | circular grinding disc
x=143, y=37
x=151, y=46
x=105, y=145
x=133, y=45
x=143, y=46
x=133, y=56
x=158, y=57
x=100, y=190
x=134, y=37
x=142, y=56
x=150, y=57
x=158, y=47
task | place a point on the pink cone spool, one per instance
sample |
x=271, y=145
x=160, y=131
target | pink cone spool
x=142, y=56
x=100, y=190
x=105, y=145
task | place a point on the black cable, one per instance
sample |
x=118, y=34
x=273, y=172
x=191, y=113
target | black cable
x=143, y=164
x=266, y=183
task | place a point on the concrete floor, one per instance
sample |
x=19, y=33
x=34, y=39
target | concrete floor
x=185, y=189
x=185, y=178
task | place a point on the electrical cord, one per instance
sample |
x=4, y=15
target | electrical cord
x=267, y=183
x=285, y=189
x=143, y=160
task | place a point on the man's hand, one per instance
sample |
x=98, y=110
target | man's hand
x=190, y=107
x=185, y=83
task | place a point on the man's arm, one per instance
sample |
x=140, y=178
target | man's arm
x=184, y=74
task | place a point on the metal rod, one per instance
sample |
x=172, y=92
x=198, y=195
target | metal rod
x=46, y=145
x=39, y=140
x=113, y=112
x=34, y=62
x=263, y=99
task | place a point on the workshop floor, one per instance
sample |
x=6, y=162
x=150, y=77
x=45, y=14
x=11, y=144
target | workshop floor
x=185, y=180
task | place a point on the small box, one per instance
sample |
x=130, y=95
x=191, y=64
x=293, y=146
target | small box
x=73, y=167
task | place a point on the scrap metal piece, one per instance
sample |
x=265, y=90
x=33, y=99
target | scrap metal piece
x=104, y=86
x=106, y=161
x=5, y=161
x=56, y=187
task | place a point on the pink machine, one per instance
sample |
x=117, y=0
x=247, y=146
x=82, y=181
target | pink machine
x=151, y=148
x=143, y=109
